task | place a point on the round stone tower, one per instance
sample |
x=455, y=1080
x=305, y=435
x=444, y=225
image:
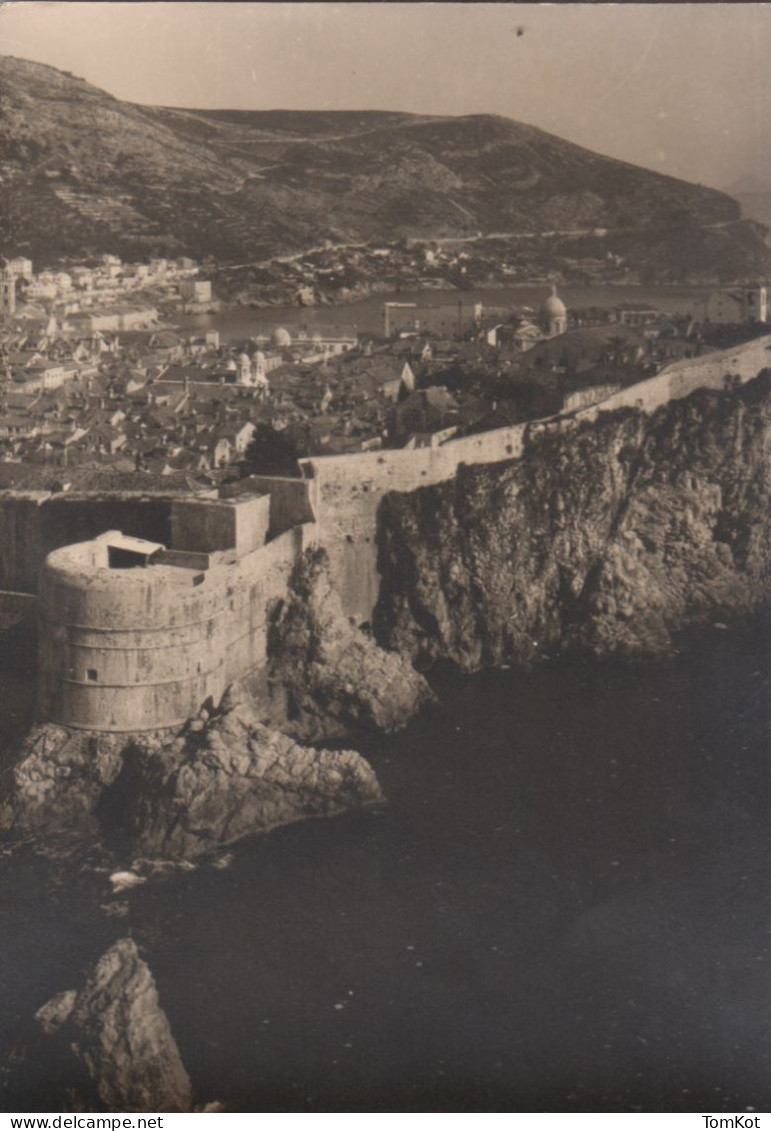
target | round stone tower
x=124, y=647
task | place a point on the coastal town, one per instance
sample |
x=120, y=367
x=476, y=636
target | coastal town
x=385, y=561
x=344, y=272
x=98, y=379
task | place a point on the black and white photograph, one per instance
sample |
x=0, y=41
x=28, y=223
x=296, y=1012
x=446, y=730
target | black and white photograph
x=385, y=559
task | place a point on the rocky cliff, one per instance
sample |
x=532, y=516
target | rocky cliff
x=111, y=1041
x=327, y=678
x=608, y=536
x=176, y=794
x=225, y=779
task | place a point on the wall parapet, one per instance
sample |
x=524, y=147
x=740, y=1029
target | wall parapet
x=142, y=648
x=349, y=487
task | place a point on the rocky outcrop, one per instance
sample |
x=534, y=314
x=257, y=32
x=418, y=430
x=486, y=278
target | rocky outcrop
x=226, y=778
x=178, y=794
x=116, y=1040
x=237, y=770
x=327, y=677
x=609, y=536
x=56, y=782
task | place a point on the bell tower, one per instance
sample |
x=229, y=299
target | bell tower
x=7, y=291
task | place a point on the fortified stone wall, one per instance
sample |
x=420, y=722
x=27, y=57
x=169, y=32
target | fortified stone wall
x=291, y=501
x=140, y=649
x=684, y=377
x=22, y=539
x=143, y=648
x=16, y=608
x=220, y=524
x=34, y=523
x=349, y=489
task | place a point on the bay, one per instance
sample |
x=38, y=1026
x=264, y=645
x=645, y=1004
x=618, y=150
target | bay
x=366, y=315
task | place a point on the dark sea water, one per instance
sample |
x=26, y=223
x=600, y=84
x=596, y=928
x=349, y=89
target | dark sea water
x=366, y=315
x=566, y=906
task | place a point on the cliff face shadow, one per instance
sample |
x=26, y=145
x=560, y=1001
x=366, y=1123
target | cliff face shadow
x=18, y=671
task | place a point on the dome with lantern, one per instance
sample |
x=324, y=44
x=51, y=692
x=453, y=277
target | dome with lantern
x=553, y=315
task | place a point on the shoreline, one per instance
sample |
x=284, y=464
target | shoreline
x=354, y=297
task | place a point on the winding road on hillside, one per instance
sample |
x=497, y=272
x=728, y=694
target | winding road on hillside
x=478, y=237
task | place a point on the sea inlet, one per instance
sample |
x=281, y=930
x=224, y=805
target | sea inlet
x=564, y=907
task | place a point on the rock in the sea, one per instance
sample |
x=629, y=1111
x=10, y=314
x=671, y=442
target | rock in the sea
x=55, y=1012
x=178, y=794
x=124, y=1052
x=608, y=536
x=327, y=676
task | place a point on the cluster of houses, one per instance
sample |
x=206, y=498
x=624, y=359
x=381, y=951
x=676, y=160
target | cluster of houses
x=344, y=270
x=160, y=402
x=157, y=401
x=103, y=295
x=118, y=392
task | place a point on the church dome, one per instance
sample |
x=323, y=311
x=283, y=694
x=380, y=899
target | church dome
x=281, y=337
x=553, y=306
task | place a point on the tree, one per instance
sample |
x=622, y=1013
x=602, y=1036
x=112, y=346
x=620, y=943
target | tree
x=270, y=453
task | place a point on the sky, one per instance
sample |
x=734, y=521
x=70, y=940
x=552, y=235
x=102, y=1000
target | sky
x=681, y=88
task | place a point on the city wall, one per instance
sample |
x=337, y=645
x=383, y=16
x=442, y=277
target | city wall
x=348, y=490
x=684, y=377
x=137, y=649
x=34, y=523
x=131, y=649
x=16, y=608
x=291, y=501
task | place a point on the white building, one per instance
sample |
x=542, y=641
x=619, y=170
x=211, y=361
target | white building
x=735, y=306
x=195, y=290
x=38, y=289
x=20, y=267
x=43, y=374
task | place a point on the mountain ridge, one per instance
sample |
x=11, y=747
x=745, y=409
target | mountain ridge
x=84, y=172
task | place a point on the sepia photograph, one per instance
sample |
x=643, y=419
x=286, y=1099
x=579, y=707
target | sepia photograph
x=385, y=559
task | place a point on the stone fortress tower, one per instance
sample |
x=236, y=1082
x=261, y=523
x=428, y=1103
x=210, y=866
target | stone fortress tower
x=136, y=636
